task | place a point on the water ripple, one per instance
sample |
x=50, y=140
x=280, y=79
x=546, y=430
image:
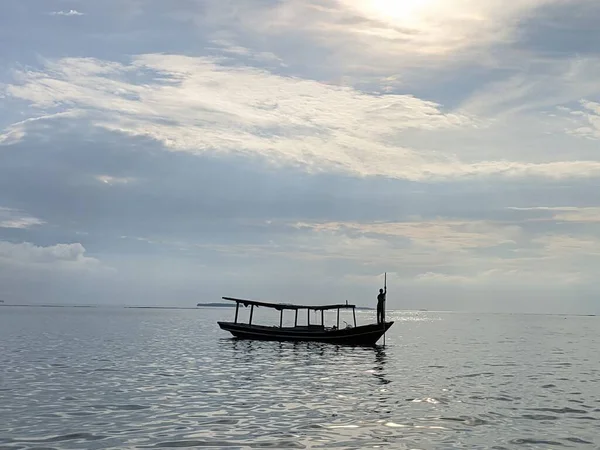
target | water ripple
x=113, y=378
x=536, y=441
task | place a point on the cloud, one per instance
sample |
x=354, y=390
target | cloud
x=110, y=180
x=17, y=131
x=437, y=27
x=59, y=273
x=441, y=251
x=235, y=51
x=590, y=214
x=377, y=36
x=547, y=83
x=194, y=105
x=59, y=256
x=522, y=276
x=12, y=134
x=441, y=235
x=285, y=119
x=441, y=278
x=556, y=245
x=586, y=120
x=11, y=218
x=71, y=12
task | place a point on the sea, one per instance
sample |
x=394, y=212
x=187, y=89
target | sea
x=127, y=378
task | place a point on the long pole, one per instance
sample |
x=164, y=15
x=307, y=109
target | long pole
x=384, y=301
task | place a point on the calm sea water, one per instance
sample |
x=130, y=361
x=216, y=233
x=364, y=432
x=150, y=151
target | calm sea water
x=132, y=378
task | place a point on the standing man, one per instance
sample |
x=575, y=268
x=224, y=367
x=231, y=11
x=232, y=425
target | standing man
x=380, y=305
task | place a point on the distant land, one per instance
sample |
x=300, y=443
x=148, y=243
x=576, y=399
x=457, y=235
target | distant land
x=216, y=305
x=158, y=307
x=35, y=305
x=232, y=305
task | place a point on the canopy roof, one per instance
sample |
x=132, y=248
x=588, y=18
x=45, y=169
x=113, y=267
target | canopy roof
x=280, y=306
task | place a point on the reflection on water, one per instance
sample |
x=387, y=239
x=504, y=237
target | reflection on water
x=159, y=379
x=380, y=361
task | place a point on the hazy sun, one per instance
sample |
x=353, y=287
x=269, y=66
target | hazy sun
x=401, y=12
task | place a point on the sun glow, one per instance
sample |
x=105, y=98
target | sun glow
x=399, y=12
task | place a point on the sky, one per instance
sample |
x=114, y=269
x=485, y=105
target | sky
x=169, y=153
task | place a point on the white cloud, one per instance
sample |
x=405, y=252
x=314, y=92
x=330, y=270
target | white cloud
x=196, y=105
x=12, y=218
x=71, y=12
x=17, y=131
x=110, y=180
x=442, y=278
x=233, y=50
x=12, y=135
x=60, y=273
x=59, y=256
x=437, y=26
x=418, y=244
x=542, y=86
x=440, y=251
x=521, y=276
x=559, y=245
x=586, y=120
x=441, y=235
x=381, y=36
x=566, y=213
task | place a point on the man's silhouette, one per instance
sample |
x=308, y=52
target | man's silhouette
x=380, y=305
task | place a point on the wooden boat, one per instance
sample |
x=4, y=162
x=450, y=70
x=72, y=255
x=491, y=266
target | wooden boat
x=365, y=335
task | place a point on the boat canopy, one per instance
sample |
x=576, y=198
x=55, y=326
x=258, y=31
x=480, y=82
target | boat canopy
x=282, y=306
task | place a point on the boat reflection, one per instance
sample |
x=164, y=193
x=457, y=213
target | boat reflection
x=308, y=354
x=380, y=363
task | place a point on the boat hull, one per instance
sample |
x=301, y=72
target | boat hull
x=365, y=335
